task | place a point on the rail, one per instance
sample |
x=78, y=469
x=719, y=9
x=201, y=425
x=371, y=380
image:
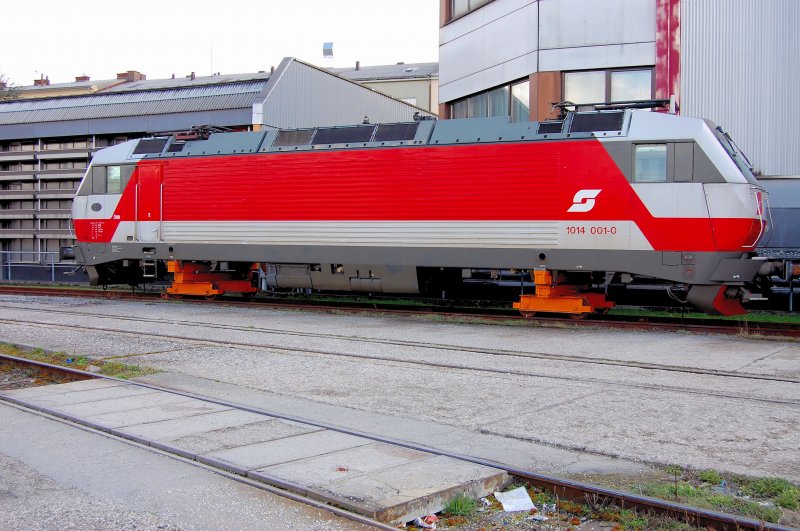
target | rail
x=566, y=489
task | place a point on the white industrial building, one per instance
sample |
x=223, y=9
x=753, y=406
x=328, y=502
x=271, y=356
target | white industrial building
x=735, y=62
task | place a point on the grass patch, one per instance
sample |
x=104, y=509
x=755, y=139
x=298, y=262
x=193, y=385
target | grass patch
x=710, y=476
x=703, y=496
x=124, y=371
x=759, y=498
x=106, y=368
x=461, y=505
x=767, y=499
x=767, y=487
x=783, y=493
x=753, y=317
x=694, y=488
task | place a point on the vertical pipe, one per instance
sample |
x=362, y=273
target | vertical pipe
x=789, y=269
x=52, y=266
x=668, y=51
x=136, y=214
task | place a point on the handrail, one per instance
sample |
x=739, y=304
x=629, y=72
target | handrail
x=755, y=190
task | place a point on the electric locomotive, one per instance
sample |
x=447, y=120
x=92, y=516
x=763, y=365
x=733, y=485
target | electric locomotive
x=571, y=206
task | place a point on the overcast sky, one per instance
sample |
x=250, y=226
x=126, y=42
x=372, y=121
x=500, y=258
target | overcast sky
x=61, y=39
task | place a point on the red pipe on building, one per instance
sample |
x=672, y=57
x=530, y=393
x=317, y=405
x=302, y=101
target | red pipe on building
x=668, y=49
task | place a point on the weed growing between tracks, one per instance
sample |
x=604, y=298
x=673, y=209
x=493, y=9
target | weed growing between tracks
x=106, y=368
x=552, y=513
x=766, y=499
x=769, y=499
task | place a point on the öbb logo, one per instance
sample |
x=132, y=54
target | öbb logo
x=584, y=200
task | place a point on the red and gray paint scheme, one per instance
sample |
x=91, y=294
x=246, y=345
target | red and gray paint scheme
x=601, y=197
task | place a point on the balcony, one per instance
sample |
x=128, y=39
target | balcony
x=16, y=176
x=13, y=156
x=16, y=195
x=55, y=234
x=16, y=213
x=52, y=213
x=15, y=234
x=63, y=154
x=68, y=173
x=56, y=193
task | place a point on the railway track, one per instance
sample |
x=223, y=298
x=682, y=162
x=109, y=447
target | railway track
x=196, y=329
x=563, y=489
x=508, y=368
x=491, y=361
x=698, y=326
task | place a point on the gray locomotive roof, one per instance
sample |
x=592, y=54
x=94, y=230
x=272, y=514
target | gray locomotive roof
x=149, y=99
x=387, y=72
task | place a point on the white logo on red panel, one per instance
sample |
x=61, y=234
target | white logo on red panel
x=584, y=200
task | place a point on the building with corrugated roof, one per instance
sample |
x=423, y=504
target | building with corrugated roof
x=42, y=88
x=47, y=142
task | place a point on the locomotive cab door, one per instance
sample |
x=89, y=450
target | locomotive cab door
x=149, y=202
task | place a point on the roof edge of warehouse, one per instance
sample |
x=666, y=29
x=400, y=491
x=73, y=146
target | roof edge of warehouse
x=316, y=97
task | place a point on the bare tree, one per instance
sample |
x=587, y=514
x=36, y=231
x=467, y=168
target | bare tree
x=7, y=89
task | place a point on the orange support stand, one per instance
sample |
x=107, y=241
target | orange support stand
x=560, y=298
x=196, y=280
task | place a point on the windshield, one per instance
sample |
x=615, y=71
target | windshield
x=736, y=154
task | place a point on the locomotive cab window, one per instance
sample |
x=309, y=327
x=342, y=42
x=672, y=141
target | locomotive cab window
x=108, y=180
x=98, y=180
x=651, y=163
x=113, y=179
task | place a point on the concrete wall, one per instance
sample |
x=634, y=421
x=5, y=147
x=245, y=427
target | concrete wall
x=511, y=39
x=491, y=46
x=424, y=91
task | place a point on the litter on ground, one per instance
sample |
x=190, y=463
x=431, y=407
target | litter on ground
x=515, y=500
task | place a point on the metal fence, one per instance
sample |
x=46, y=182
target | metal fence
x=31, y=265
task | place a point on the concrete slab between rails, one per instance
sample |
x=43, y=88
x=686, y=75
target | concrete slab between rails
x=492, y=447
x=297, y=447
x=197, y=424
x=79, y=392
x=102, y=406
x=71, y=387
x=383, y=481
x=131, y=416
x=240, y=435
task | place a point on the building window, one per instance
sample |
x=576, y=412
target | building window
x=651, y=163
x=459, y=8
x=507, y=100
x=520, y=102
x=606, y=86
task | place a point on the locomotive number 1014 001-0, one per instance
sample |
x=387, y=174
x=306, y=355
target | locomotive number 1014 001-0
x=594, y=230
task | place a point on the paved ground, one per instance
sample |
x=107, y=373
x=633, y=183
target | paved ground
x=54, y=477
x=387, y=482
x=367, y=373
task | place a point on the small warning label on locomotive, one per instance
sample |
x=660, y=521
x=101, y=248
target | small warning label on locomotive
x=96, y=230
